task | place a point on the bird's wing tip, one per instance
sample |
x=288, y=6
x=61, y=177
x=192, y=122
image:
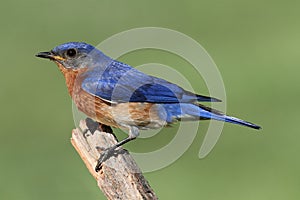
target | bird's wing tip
x=215, y=100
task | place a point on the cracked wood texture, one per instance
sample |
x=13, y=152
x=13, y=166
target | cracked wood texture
x=119, y=177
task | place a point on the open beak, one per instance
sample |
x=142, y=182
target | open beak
x=49, y=55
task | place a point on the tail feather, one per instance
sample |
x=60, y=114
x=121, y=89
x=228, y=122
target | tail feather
x=196, y=112
x=217, y=115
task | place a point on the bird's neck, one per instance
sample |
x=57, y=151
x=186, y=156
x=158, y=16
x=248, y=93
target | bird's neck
x=72, y=78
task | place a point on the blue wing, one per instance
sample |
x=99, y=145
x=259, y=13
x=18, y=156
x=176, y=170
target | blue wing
x=119, y=82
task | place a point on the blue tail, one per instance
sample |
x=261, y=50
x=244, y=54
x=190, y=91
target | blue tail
x=187, y=112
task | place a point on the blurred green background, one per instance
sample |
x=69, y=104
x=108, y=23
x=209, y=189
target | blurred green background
x=256, y=47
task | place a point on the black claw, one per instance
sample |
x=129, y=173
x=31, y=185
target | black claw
x=84, y=132
x=98, y=167
x=105, y=155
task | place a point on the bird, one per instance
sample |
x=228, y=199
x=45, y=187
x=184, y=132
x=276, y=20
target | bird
x=118, y=95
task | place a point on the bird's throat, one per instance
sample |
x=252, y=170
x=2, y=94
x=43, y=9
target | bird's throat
x=71, y=76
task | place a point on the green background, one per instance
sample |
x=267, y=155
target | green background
x=256, y=47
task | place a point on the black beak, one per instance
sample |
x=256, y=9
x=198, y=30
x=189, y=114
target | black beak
x=48, y=55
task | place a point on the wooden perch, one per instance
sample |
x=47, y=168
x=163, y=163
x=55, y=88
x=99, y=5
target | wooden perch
x=119, y=177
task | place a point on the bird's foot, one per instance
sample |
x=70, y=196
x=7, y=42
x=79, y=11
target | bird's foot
x=104, y=155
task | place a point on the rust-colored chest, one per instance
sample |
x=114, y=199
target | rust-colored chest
x=92, y=106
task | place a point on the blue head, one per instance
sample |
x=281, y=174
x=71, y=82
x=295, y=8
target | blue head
x=74, y=55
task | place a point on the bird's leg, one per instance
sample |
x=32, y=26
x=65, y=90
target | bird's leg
x=107, y=153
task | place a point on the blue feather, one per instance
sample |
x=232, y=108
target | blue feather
x=119, y=82
x=186, y=111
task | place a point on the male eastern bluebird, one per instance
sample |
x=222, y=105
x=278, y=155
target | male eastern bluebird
x=118, y=95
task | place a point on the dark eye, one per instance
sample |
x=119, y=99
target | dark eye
x=71, y=53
